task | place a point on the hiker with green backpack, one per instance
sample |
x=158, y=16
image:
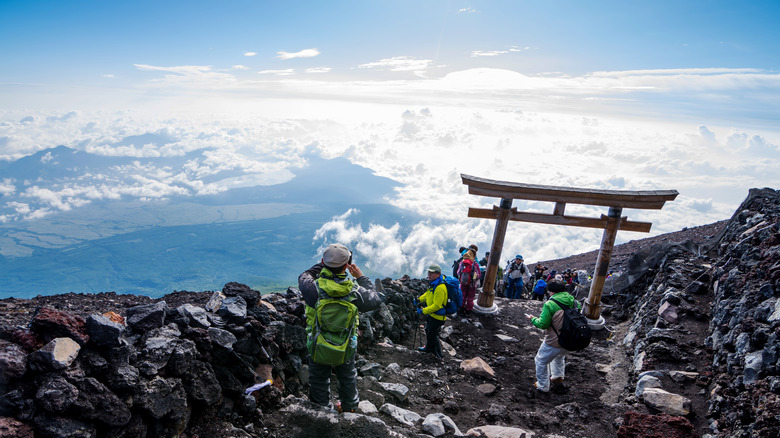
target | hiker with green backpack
x=562, y=321
x=332, y=305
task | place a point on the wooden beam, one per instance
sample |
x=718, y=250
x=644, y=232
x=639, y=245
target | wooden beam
x=577, y=221
x=559, y=208
x=646, y=199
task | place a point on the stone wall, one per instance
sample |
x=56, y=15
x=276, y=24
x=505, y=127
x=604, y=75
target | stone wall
x=703, y=334
x=157, y=370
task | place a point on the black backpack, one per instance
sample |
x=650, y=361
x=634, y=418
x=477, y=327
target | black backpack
x=575, y=333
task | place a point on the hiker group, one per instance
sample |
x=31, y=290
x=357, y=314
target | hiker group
x=333, y=302
x=566, y=329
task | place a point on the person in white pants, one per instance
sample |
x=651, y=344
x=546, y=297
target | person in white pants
x=550, y=359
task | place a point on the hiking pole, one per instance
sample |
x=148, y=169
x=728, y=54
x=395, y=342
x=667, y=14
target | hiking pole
x=268, y=356
x=251, y=370
x=416, y=330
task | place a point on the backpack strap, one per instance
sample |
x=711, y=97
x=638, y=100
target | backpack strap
x=322, y=295
x=560, y=304
x=563, y=308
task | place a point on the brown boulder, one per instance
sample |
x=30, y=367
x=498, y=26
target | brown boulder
x=51, y=323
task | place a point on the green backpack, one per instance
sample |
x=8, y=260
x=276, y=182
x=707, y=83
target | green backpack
x=333, y=336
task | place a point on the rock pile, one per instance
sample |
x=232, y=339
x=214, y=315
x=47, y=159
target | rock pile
x=745, y=397
x=704, y=329
x=161, y=370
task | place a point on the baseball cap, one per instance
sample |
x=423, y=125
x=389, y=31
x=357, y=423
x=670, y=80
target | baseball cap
x=434, y=268
x=336, y=255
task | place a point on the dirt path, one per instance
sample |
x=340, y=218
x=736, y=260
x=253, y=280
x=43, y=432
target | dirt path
x=585, y=411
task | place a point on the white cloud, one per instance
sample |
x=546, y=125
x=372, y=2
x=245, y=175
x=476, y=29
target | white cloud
x=19, y=207
x=306, y=53
x=108, y=76
x=189, y=74
x=400, y=63
x=239, y=67
x=466, y=11
x=285, y=72
x=388, y=251
x=250, y=53
x=479, y=53
x=7, y=187
x=425, y=146
x=318, y=70
x=147, y=150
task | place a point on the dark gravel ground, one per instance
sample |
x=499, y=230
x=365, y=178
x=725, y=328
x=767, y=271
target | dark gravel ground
x=589, y=409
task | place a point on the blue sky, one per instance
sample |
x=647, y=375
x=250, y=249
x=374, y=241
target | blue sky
x=626, y=95
x=79, y=42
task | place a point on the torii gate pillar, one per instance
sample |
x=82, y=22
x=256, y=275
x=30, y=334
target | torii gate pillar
x=592, y=308
x=485, y=300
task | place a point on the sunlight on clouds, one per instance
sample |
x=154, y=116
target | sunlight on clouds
x=399, y=63
x=425, y=147
x=188, y=74
x=390, y=253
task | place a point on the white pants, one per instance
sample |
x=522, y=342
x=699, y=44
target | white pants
x=549, y=360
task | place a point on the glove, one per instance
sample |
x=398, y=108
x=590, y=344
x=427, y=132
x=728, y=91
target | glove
x=419, y=311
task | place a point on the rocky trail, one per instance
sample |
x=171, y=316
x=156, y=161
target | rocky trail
x=689, y=349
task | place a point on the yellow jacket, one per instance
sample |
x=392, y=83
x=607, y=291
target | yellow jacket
x=435, y=299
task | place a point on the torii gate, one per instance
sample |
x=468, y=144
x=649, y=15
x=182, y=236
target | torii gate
x=616, y=200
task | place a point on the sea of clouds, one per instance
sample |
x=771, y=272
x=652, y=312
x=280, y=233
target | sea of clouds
x=425, y=147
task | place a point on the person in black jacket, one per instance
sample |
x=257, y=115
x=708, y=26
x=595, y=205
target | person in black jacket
x=330, y=276
x=456, y=263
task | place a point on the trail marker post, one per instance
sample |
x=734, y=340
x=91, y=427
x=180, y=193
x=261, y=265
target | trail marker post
x=616, y=200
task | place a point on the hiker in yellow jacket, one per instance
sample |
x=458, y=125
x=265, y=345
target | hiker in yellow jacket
x=431, y=304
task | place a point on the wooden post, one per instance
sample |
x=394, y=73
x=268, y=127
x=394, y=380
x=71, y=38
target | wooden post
x=485, y=299
x=592, y=308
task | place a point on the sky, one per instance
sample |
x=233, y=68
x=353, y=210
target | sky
x=639, y=95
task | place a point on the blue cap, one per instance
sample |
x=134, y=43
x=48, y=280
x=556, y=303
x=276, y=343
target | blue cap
x=518, y=256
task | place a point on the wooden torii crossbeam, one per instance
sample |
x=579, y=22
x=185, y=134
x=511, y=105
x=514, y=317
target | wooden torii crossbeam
x=616, y=200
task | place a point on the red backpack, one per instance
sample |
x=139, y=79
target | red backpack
x=470, y=274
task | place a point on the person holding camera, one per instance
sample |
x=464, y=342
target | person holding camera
x=327, y=281
x=515, y=272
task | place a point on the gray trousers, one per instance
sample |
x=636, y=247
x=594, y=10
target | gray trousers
x=319, y=383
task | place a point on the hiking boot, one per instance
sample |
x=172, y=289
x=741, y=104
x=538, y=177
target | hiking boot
x=538, y=389
x=341, y=409
x=557, y=386
x=422, y=349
